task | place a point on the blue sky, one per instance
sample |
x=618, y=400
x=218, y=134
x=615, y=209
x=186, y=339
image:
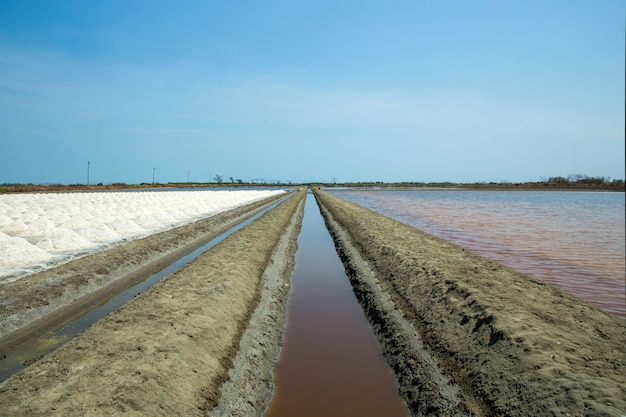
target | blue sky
x=311, y=91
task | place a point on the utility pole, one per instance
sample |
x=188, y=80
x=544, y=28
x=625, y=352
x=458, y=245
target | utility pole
x=153, y=169
x=88, y=167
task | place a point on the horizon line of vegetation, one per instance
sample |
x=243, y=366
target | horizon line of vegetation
x=574, y=181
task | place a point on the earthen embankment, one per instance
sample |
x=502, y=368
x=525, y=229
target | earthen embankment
x=511, y=344
x=33, y=304
x=169, y=351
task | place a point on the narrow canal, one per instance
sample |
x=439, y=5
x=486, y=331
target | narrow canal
x=331, y=363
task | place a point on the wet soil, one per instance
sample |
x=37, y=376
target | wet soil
x=331, y=363
x=168, y=351
x=466, y=335
x=32, y=304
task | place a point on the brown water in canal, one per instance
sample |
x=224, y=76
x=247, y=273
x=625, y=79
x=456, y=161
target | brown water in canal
x=331, y=363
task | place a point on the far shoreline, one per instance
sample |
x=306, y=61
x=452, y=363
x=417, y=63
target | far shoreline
x=596, y=186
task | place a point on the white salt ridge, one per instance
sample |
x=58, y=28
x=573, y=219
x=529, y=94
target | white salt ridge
x=17, y=250
x=15, y=227
x=98, y=233
x=75, y=223
x=29, y=217
x=164, y=218
x=61, y=219
x=147, y=222
x=62, y=240
x=4, y=208
x=64, y=225
x=125, y=227
x=5, y=220
x=39, y=227
x=21, y=207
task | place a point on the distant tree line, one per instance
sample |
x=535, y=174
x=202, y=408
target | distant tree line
x=583, y=179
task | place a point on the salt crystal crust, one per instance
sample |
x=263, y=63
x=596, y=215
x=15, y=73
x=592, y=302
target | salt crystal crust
x=39, y=230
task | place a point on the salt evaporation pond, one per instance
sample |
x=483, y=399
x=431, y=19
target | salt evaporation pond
x=37, y=231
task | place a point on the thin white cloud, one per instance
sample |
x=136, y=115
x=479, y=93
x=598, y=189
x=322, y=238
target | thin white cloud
x=45, y=85
x=49, y=95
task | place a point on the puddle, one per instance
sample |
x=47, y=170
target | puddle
x=331, y=363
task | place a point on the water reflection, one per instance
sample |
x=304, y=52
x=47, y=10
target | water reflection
x=574, y=240
x=331, y=363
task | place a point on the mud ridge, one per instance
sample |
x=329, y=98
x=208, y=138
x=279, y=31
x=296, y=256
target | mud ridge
x=250, y=386
x=169, y=350
x=423, y=386
x=513, y=345
x=35, y=304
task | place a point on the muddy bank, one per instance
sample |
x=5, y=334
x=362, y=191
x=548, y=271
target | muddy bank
x=36, y=302
x=466, y=335
x=169, y=350
x=250, y=386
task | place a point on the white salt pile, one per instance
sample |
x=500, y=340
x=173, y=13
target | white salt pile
x=4, y=219
x=47, y=228
x=62, y=239
x=125, y=227
x=98, y=233
x=15, y=227
x=17, y=250
x=38, y=226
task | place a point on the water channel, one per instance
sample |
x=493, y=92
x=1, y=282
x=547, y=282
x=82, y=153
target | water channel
x=21, y=357
x=331, y=363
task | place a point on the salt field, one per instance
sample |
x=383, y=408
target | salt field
x=574, y=240
x=38, y=231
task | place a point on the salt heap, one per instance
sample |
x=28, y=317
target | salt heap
x=38, y=226
x=19, y=251
x=48, y=228
x=62, y=239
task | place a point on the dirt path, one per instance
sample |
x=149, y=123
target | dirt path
x=468, y=335
x=33, y=304
x=168, y=351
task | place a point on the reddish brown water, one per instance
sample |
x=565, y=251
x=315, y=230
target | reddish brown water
x=331, y=363
x=574, y=240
